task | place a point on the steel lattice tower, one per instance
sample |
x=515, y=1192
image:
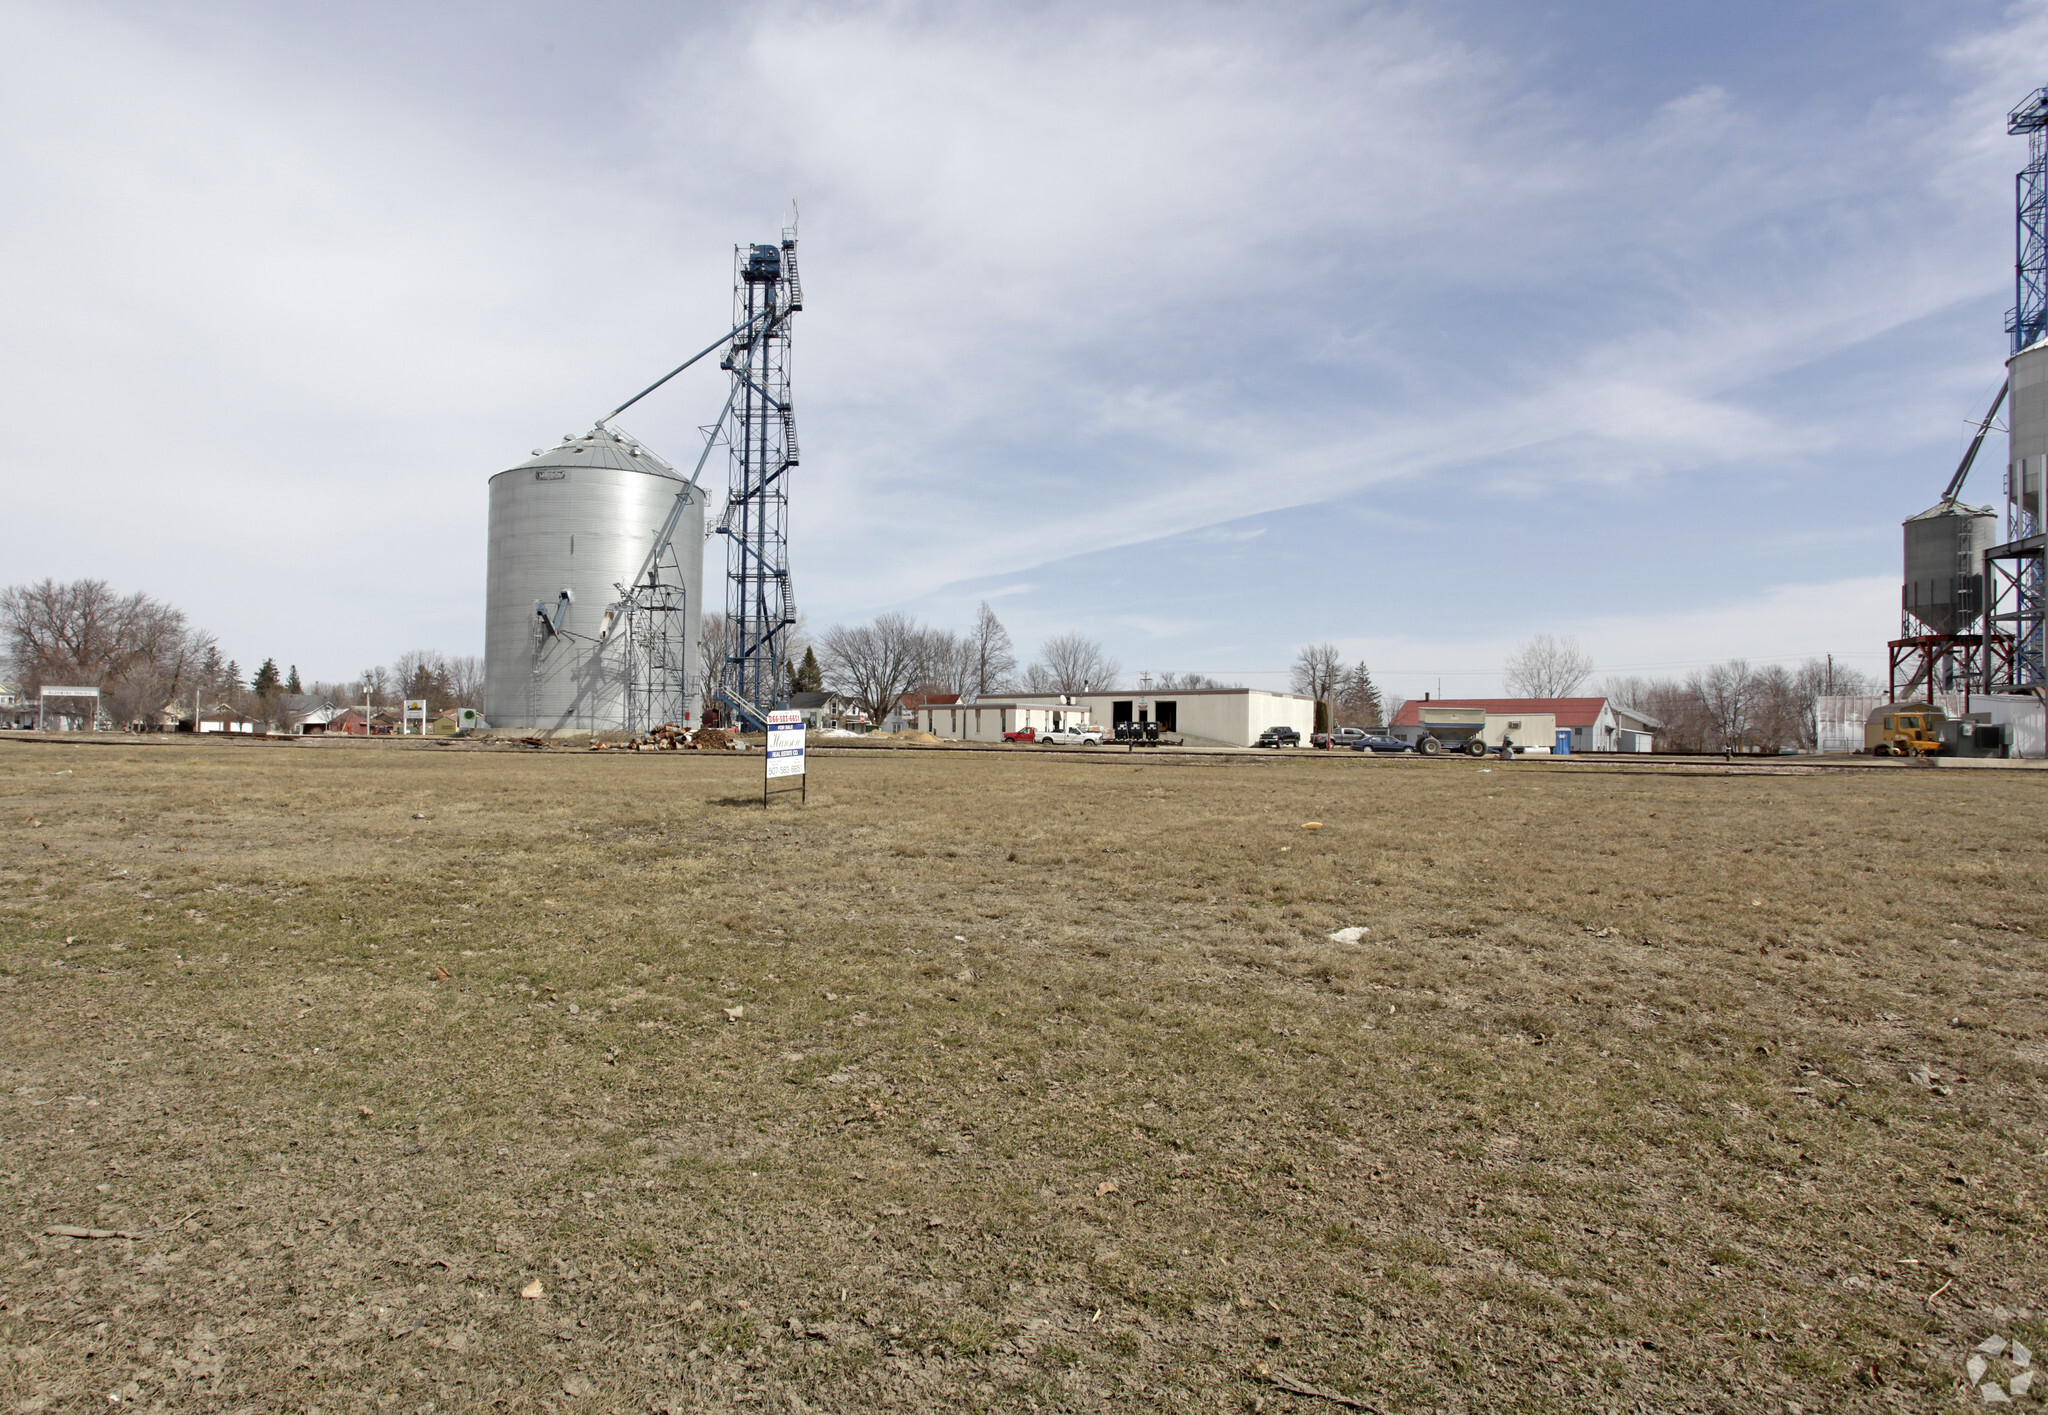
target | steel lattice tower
x=760, y=604
x=2029, y=317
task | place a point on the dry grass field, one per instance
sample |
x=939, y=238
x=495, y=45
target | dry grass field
x=998, y=1082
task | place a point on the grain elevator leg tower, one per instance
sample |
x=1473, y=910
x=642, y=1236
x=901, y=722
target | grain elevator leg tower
x=760, y=604
x=2015, y=587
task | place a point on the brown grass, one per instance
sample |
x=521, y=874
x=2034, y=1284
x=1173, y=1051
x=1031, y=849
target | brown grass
x=1045, y=1089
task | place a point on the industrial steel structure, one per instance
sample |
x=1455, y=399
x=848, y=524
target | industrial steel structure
x=1972, y=605
x=596, y=560
x=595, y=557
x=760, y=605
x=2015, y=586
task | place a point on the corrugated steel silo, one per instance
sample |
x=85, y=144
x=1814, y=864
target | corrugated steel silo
x=1945, y=547
x=2027, y=462
x=580, y=520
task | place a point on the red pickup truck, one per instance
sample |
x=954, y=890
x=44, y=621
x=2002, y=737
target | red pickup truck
x=1028, y=734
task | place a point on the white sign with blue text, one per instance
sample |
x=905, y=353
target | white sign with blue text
x=785, y=744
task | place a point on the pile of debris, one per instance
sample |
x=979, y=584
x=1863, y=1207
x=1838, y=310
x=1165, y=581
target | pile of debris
x=672, y=737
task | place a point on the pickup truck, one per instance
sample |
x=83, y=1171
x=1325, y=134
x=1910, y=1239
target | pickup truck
x=1338, y=737
x=1074, y=737
x=1022, y=734
x=1279, y=737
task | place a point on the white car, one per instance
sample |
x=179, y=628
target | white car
x=1075, y=736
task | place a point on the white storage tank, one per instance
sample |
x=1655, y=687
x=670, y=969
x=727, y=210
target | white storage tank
x=568, y=530
x=2027, y=464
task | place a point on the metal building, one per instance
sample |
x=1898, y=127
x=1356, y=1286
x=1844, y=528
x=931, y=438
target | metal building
x=594, y=589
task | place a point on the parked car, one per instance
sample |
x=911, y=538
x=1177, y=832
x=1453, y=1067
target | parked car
x=1337, y=737
x=1279, y=737
x=1371, y=743
x=1023, y=734
x=1075, y=736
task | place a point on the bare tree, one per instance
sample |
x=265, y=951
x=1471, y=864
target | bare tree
x=140, y=652
x=945, y=662
x=1391, y=704
x=714, y=646
x=1071, y=663
x=1547, y=667
x=1727, y=695
x=994, y=659
x=465, y=674
x=421, y=673
x=874, y=664
x=1191, y=682
x=1627, y=691
x=1317, y=667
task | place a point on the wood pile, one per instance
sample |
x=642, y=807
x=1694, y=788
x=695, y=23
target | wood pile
x=671, y=737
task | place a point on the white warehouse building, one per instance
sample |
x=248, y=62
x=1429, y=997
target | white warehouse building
x=1228, y=717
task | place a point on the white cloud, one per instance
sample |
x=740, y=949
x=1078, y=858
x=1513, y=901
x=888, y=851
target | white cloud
x=1078, y=279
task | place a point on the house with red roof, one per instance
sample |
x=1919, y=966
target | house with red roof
x=1594, y=724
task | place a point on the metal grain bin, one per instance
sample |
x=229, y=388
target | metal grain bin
x=578, y=521
x=1945, y=545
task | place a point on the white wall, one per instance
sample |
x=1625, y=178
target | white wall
x=1232, y=716
x=1535, y=729
x=2028, y=718
x=987, y=721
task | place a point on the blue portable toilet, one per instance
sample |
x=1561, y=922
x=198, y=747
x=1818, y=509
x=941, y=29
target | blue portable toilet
x=1564, y=743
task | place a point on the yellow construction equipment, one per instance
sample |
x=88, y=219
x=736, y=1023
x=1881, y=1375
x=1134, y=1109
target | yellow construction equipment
x=1912, y=730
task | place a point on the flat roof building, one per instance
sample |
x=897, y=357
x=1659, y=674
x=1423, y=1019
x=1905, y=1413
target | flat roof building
x=1227, y=717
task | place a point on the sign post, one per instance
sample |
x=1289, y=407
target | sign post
x=43, y=704
x=415, y=709
x=785, y=755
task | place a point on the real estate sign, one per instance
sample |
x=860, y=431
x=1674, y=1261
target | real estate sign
x=785, y=747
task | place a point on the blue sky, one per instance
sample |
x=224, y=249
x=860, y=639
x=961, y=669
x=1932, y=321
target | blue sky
x=1207, y=330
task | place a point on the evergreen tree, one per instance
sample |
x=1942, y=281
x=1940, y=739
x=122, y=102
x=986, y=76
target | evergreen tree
x=807, y=677
x=230, y=681
x=265, y=682
x=426, y=685
x=1358, y=699
x=291, y=684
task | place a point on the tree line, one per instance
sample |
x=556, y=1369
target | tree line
x=1731, y=706
x=877, y=664
x=1737, y=706
x=146, y=656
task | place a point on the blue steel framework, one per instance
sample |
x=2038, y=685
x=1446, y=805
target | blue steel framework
x=2029, y=317
x=760, y=604
x=2015, y=586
